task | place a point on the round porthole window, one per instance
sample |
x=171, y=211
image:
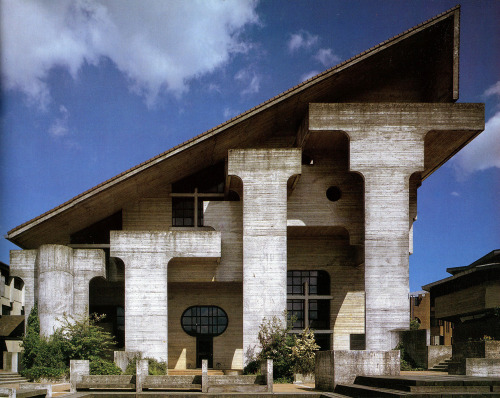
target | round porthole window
x=333, y=194
x=207, y=320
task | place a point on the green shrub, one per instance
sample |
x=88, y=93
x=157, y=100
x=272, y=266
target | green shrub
x=156, y=368
x=252, y=368
x=43, y=372
x=99, y=366
x=303, y=352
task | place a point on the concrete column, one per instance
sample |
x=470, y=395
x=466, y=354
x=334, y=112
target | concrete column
x=387, y=147
x=88, y=264
x=55, y=285
x=265, y=173
x=266, y=369
x=146, y=256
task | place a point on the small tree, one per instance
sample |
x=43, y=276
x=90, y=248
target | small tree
x=303, y=352
x=31, y=340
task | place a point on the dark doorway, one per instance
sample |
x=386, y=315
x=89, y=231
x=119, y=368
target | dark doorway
x=204, y=350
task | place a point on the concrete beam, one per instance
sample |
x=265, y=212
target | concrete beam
x=264, y=173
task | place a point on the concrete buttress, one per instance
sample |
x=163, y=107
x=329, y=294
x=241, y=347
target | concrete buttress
x=265, y=173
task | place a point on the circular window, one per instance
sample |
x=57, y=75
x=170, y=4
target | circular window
x=204, y=320
x=333, y=194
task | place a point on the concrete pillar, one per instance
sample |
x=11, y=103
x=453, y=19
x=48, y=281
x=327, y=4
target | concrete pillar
x=88, y=264
x=266, y=369
x=77, y=369
x=204, y=375
x=55, y=285
x=387, y=147
x=146, y=256
x=265, y=173
x=141, y=371
x=14, y=362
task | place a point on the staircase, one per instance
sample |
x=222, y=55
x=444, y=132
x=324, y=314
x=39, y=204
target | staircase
x=421, y=386
x=441, y=366
x=11, y=378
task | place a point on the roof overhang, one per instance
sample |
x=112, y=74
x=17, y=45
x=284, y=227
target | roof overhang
x=397, y=70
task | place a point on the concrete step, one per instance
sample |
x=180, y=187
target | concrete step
x=361, y=391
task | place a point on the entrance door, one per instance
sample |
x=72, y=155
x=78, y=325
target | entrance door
x=204, y=350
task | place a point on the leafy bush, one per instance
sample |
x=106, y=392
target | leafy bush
x=99, y=366
x=290, y=353
x=156, y=368
x=253, y=367
x=43, y=372
x=414, y=324
x=77, y=338
x=406, y=361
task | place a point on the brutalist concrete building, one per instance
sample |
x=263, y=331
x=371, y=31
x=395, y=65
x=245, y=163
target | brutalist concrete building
x=305, y=202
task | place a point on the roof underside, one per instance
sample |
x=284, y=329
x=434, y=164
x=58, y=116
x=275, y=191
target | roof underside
x=398, y=70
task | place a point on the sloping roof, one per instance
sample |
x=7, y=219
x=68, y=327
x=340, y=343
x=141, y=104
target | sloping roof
x=396, y=70
x=490, y=263
x=9, y=323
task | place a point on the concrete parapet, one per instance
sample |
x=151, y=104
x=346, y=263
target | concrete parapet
x=37, y=386
x=437, y=354
x=482, y=367
x=123, y=358
x=77, y=369
x=142, y=371
x=7, y=392
x=342, y=367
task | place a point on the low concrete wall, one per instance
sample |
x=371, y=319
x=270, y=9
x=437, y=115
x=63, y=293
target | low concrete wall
x=342, y=367
x=78, y=369
x=437, y=354
x=47, y=387
x=415, y=343
x=476, y=349
x=482, y=367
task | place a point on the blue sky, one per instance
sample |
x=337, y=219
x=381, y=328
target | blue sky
x=92, y=88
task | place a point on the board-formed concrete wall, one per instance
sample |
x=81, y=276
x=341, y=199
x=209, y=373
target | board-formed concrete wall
x=146, y=256
x=57, y=277
x=347, y=315
x=227, y=348
x=265, y=173
x=396, y=134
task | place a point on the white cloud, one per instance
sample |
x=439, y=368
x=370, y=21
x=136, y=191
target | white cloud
x=308, y=75
x=158, y=45
x=60, y=126
x=327, y=57
x=493, y=90
x=229, y=113
x=302, y=39
x=454, y=193
x=482, y=153
x=251, y=79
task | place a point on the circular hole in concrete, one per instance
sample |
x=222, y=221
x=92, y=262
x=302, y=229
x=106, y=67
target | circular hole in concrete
x=333, y=194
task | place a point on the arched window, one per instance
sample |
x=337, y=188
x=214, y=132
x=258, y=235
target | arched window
x=204, y=320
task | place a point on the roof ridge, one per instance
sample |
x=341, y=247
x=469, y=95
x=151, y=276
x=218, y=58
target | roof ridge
x=239, y=117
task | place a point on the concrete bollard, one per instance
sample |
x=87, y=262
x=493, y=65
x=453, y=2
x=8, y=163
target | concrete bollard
x=78, y=369
x=141, y=371
x=204, y=375
x=266, y=368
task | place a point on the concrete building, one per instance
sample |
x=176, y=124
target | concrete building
x=470, y=298
x=304, y=202
x=12, y=318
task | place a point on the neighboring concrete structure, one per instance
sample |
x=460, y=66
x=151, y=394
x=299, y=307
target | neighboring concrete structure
x=11, y=320
x=470, y=298
x=305, y=202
